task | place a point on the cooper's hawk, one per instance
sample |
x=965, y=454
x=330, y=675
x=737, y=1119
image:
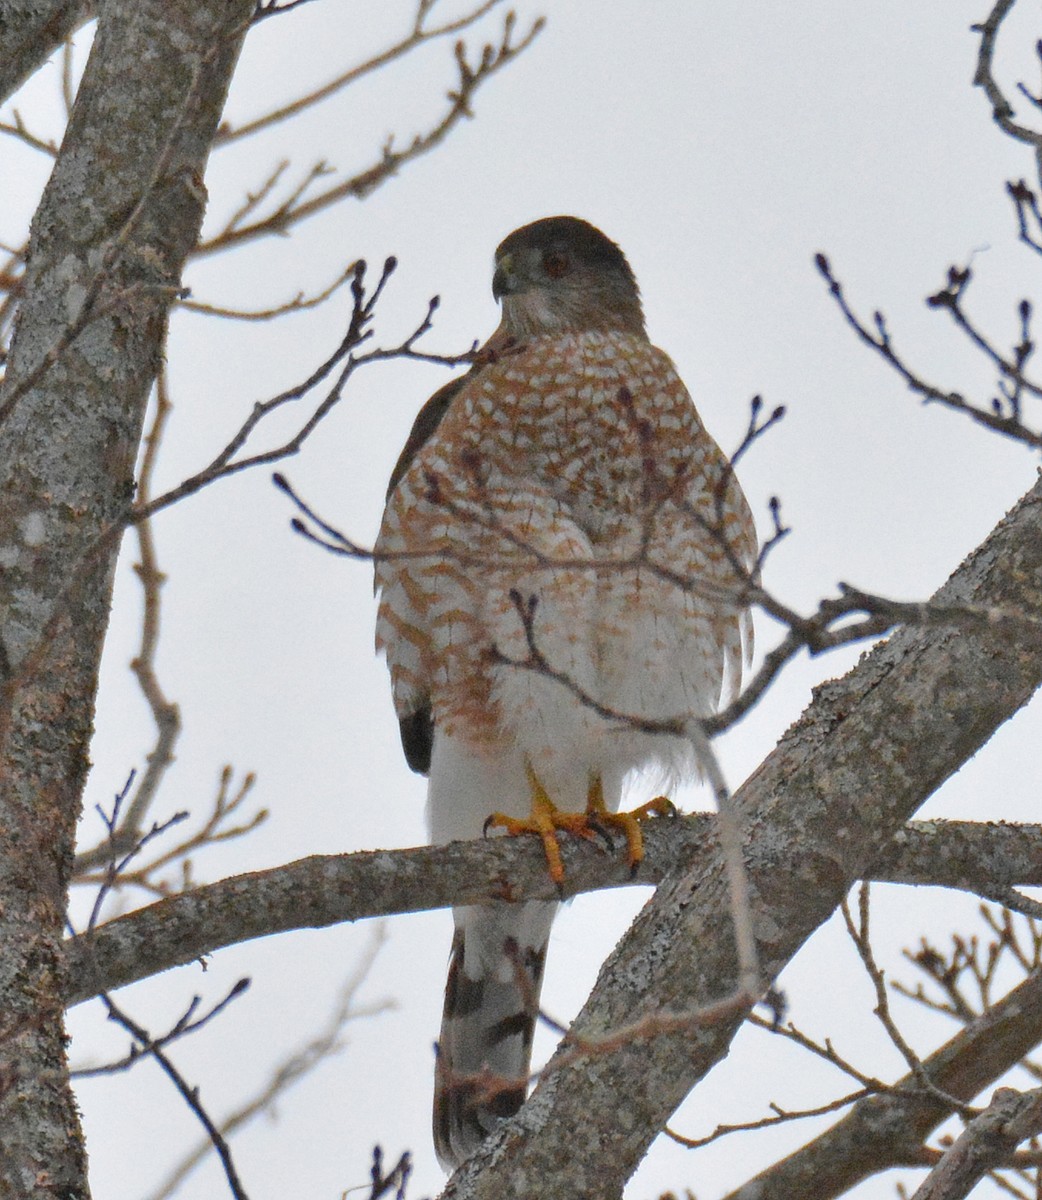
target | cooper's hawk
x=562, y=556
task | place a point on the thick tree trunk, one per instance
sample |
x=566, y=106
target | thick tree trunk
x=119, y=215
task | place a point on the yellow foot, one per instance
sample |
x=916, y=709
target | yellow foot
x=627, y=822
x=546, y=820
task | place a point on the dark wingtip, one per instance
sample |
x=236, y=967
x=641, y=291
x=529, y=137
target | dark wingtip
x=417, y=734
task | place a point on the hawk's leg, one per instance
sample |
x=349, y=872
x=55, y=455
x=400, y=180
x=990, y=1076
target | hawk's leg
x=545, y=819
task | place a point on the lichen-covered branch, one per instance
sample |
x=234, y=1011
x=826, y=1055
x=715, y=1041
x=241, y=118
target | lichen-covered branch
x=328, y=889
x=989, y=1141
x=119, y=215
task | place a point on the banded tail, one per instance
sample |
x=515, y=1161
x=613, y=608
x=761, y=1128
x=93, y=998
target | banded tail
x=491, y=1004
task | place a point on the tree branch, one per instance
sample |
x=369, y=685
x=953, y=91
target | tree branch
x=329, y=889
x=879, y=339
x=984, y=78
x=301, y=1060
x=417, y=36
x=888, y=1130
x=298, y=206
x=30, y=33
x=987, y=1142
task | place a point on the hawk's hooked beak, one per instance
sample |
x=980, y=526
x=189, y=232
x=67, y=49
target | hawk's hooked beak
x=504, y=281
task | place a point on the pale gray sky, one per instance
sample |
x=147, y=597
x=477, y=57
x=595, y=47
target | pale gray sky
x=721, y=146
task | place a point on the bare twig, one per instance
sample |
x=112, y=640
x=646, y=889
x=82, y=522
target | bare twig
x=300, y=1062
x=781, y=1116
x=729, y=828
x=829, y=627
x=295, y=208
x=225, y=464
x=187, y=1023
x=980, y=962
x=18, y=130
x=1012, y=380
x=127, y=834
x=984, y=78
x=1029, y=215
x=946, y=975
x=165, y=713
x=396, y=1180
x=1005, y=929
x=189, y=1094
x=214, y=829
x=146, y=1044
x=359, y=331
x=68, y=90
x=887, y=1129
x=114, y=864
x=870, y=1084
x=880, y=340
x=416, y=36
x=11, y=274
x=485, y=1085
x=859, y=935
x=299, y=303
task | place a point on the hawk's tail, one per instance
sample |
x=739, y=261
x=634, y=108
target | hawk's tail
x=491, y=1003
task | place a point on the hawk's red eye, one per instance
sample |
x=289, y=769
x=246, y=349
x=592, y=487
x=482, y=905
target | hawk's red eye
x=555, y=264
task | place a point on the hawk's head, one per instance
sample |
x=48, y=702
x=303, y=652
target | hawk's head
x=562, y=274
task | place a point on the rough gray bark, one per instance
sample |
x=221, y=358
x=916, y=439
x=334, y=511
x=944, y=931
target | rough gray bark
x=816, y=815
x=30, y=32
x=986, y=1143
x=120, y=213
x=328, y=889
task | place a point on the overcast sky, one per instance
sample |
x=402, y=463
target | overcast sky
x=721, y=146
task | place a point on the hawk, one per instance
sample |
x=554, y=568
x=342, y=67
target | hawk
x=563, y=560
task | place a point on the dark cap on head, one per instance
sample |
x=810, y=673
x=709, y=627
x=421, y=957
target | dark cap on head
x=562, y=273
x=584, y=240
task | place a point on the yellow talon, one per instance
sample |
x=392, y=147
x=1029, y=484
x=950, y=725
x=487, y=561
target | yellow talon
x=546, y=820
x=627, y=822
